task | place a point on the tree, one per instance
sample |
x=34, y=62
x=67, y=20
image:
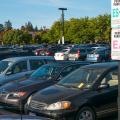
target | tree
x=8, y=25
x=16, y=37
x=29, y=26
x=36, y=29
x=1, y=27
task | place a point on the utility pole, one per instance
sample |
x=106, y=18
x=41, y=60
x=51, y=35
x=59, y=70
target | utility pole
x=62, y=21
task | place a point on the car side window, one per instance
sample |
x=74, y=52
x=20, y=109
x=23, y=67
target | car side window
x=66, y=71
x=111, y=78
x=34, y=64
x=20, y=67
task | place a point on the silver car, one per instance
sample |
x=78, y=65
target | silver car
x=15, y=68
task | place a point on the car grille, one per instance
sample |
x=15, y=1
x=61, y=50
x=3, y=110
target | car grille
x=37, y=105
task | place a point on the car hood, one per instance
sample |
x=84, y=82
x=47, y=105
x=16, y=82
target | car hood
x=17, y=85
x=2, y=78
x=55, y=93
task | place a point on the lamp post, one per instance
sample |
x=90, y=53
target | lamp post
x=62, y=20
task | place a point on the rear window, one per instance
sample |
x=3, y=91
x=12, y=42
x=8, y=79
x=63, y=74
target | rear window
x=82, y=50
x=74, y=50
x=34, y=64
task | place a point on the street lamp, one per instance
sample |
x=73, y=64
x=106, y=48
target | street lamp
x=62, y=20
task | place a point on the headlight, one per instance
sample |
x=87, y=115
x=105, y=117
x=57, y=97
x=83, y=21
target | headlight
x=29, y=100
x=15, y=94
x=62, y=105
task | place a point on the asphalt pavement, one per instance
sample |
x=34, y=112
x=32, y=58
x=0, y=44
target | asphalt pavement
x=8, y=115
x=14, y=115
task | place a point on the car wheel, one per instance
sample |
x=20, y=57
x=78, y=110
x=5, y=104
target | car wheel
x=85, y=113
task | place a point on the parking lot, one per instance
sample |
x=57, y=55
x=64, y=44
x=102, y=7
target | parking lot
x=54, y=71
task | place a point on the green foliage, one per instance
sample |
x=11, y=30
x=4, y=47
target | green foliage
x=84, y=30
x=76, y=30
x=16, y=37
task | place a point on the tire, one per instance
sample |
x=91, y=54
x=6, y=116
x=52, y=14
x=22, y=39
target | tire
x=85, y=113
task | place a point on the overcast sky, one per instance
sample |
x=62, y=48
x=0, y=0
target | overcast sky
x=45, y=12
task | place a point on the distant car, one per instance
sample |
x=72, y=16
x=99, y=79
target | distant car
x=14, y=93
x=48, y=51
x=99, y=55
x=79, y=53
x=17, y=67
x=62, y=55
x=88, y=93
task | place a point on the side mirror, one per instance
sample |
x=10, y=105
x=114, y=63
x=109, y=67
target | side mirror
x=103, y=86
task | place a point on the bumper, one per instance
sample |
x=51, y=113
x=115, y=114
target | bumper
x=59, y=58
x=10, y=103
x=57, y=114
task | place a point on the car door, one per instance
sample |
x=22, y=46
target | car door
x=105, y=98
x=19, y=70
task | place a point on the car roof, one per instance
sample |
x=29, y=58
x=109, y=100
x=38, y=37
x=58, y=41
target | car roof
x=106, y=65
x=67, y=63
x=14, y=59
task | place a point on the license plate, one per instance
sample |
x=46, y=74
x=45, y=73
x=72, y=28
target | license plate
x=32, y=114
x=91, y=55
x=71, y=58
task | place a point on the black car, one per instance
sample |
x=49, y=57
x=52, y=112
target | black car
x=15, y=94
x=85, y=94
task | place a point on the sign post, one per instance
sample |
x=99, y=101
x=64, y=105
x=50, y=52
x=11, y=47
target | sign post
x=115, y=41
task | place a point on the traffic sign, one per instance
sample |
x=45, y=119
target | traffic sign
x=115, y=14
x=115, y=32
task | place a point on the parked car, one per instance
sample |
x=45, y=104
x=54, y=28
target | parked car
x=79, y=53
x=62, y=55
x=48, y=51
x=17, y=67
x=14, y=93
x=88, y=93
x=99, y=55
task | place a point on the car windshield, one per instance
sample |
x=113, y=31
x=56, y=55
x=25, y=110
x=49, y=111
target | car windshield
x=4, y=65
x=45, y=72
x=81, y=78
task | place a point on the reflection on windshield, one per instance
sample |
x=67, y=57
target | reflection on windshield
x=4, y=65
x=81, y=78
x=45, y=72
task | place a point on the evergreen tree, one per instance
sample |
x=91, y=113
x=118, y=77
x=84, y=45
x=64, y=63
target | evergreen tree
x=8, y=25
x=1, y=27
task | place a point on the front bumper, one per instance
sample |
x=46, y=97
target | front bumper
x=56, y=114
x=11, y=103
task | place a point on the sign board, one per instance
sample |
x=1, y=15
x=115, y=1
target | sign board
x=115, y=44
x=115, y=32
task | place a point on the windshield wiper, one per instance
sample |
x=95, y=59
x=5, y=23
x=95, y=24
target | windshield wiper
x=68, y=86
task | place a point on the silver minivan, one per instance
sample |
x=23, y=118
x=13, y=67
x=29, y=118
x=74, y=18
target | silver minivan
x=18, y=67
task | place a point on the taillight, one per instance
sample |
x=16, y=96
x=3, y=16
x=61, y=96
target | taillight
x=78, y=53
x=62, y=54
x=97, y=55
x=110, y=56
x=36, y=53
x=47, y=53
